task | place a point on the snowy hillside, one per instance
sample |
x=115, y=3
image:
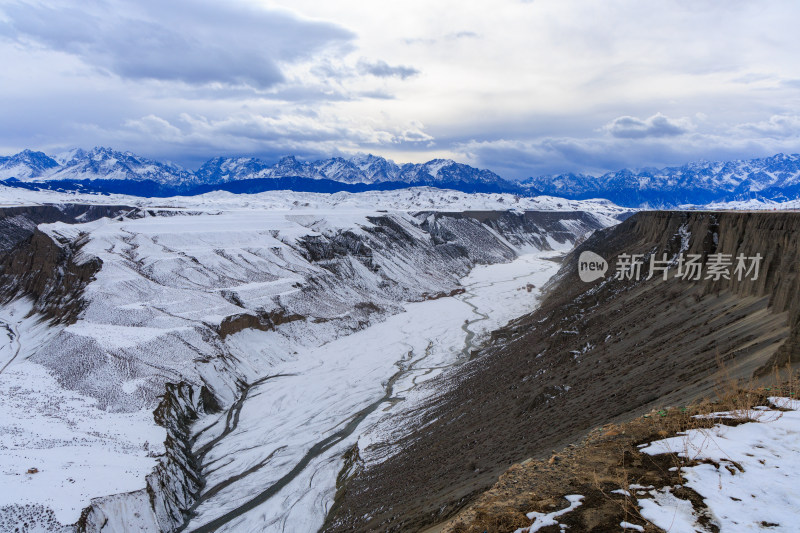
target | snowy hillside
x=263, y=331
x=746, y=475
x=738, y=475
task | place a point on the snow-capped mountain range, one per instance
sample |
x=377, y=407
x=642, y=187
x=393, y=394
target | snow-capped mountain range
x=98, y=163
x=775, y=178
x=367, y=169
x=106, y=170
x=103, y=170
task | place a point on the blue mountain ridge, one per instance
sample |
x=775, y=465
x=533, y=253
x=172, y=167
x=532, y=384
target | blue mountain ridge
x=103, y=170
x=775, y=178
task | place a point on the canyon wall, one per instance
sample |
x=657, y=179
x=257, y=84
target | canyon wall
x=592, y=353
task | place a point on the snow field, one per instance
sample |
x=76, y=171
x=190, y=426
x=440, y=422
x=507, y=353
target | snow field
x=77, y=400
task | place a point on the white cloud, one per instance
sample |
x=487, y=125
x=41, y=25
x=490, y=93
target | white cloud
x=156, y=128
x=777, y=126
x=521, y=88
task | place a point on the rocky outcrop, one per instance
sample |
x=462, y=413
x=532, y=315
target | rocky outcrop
x=19, y=223
x=592, y=353
x=52, y=274
x=265, y=321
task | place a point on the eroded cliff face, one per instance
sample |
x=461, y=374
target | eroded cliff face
x=19, y=223
x=53, y=274
x=592, y=353
x=772, y=236
x=172, y=486
x=190, y=293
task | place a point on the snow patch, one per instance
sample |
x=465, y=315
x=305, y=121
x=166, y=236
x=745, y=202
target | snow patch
x=541, y=520
x=748, y=474
x=59, y=450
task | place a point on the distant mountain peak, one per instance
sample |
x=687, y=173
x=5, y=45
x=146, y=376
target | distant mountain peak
x=105, y=169
x=26, y=164
x=776, y=178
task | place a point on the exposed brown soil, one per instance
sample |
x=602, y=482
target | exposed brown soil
x=264, y=322
x=592, y=354
x=607, y=460
x=52, y=275
x=437, y=295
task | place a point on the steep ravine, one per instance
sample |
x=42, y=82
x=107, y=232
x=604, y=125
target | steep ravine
x=54, y=274
x=592, y=353
x=411, y=363
x=453, y=235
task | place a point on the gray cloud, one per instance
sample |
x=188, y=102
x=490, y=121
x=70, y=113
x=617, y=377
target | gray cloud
x=656, y=126
x=382, y=69
x=273, y=133
x=228, y=43
x=462, y=35
x=517, y=159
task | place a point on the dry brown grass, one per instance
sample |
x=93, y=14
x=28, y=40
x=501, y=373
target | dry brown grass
x=609, y=459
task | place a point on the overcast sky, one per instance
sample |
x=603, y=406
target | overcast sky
x=520, y=87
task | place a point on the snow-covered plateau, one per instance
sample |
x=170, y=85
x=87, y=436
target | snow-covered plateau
x=216, y=361
x=413, y=198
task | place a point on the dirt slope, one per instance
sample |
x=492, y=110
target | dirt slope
x=593, y=353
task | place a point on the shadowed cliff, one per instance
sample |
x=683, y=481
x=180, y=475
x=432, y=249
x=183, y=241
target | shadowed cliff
x=592, y=353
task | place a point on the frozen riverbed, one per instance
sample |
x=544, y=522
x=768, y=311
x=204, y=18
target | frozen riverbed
x=271, y=463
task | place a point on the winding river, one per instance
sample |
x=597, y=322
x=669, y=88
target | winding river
x=271, y=462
